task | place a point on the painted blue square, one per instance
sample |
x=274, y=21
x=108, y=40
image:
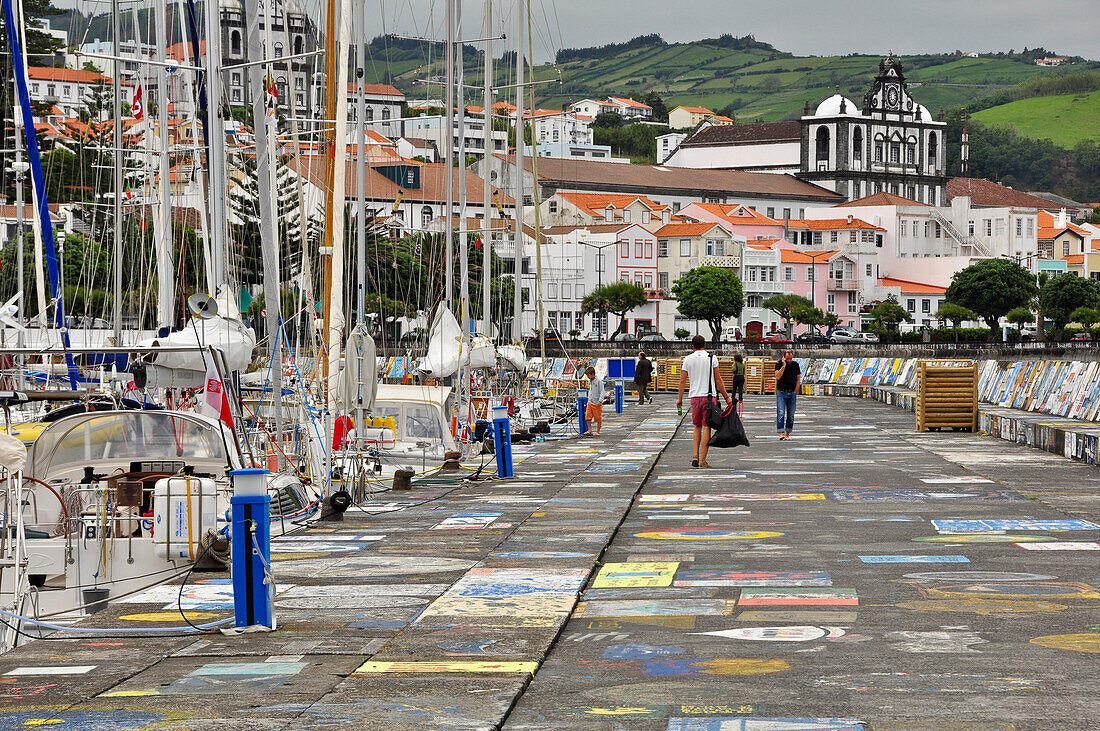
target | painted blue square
x=914, y=559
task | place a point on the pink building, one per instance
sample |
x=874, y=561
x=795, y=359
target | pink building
x=826, y=278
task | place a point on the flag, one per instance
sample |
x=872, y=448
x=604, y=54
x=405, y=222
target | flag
x=215, y=401
x=397, y=200
x=129, y=194
x=271, y=95
x=137, y=110
x=478, y=243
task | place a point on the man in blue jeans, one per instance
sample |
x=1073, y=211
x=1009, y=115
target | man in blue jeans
x=788, y=377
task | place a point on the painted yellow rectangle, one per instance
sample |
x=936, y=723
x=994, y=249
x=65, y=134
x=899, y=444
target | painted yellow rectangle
x=635, y=574
x=448, y=667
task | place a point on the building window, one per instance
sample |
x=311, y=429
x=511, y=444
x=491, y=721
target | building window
x=857, y=143
x=851, y=302
x=816, y=238
x=1030, y=227
x=834, y=236
x=933, y=148
x=970, y=228
x=904, y=228
x=1065, y=248
x=624, y=249
x=626, y=216
x=771, y=212
x=786, y=213
x=370, y=114
x=646, y=217
x=299, y=82
x=638, y=278
x=552, y=205
x=869, y=270
x=988, y=227
x=720, y=248
x=832, y=302
x=926, y=306
x=895, y=153
x=1019, y=227
x=878, y=155
x=649, y=250
x=662, y=281
x=788, y=274
x=297, y=45
x=637, y=249
x=649, y=281
x=385, y=112
x=580, y=292
x=750, y=274
x=911, y=191
x=235, y=95
x=235, y=43
x=911, y=305
x=822, y=151
x=662, y=249
x=300, y=100
x=552, y=290
x=278, y=50
x=909, y=157
x=609, y=214
x=51, y=90
x=685, y=247
x=426, y=216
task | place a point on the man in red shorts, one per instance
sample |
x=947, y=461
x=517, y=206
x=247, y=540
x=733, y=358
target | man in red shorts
x=701, y=369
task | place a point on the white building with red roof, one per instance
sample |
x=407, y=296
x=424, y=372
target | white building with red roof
x=68, y=89
x=568, y=208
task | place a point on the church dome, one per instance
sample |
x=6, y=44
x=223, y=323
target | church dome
x=832, y=107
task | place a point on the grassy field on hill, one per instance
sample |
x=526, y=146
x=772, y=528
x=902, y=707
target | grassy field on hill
x=759, y=82
x=1065, y=120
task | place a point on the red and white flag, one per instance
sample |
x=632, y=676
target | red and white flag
x=215, y=401
x=137, y=107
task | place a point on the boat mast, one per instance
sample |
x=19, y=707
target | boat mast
x=535, y=199
x=449, y=158
x=336, y=150
x=360, y=35
x=517, y=299
x=486, y=192
x=215, y=164
x=165, y=270
x=116, y=33
x=264, y=122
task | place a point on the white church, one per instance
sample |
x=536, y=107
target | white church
x=889, y=144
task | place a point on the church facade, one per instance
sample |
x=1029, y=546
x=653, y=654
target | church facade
x=889, y=143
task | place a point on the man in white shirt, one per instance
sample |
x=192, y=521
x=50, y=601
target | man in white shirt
x=701, y=369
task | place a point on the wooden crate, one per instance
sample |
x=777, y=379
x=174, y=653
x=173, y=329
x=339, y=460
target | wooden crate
x=672, y=374
x=758, y=371
x=725, y=370
x=947, y=396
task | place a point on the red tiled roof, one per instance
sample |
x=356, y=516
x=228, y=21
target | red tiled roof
x=987, y=193
x=375, y=90
x=697, y=182
x=182, y=51
x=628, y=102
x=830, y=224
x=881, y=199
x=744, y=213
x=596, y=203
x=1046, y=220
x=433, y=182
x=77, y=76
x=908, y=287
x=695, y=110
x=794, y=256
x=687, y=229
x=732, y=134
x=1075, y=259
x=592, y=227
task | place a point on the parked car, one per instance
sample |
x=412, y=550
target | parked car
x=551, y=334
x=624, y=338
x=591, y=336
x=812, y=337
x=732, y=334
x=844, y=335
x=653, y=338
x=776, y=337
x=1081, y=338
x=868, y=337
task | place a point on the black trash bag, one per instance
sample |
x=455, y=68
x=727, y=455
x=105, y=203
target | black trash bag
x=732, y=432
x=712, y=413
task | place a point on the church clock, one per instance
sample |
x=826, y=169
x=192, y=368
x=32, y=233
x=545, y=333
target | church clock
x=892, y=96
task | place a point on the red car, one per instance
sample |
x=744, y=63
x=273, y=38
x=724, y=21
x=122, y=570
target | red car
x=1081, y=338
x=776, y=337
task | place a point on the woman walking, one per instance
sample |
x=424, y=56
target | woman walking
x=643, y=376
x=737, y=387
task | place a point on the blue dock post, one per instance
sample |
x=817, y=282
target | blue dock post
x=502, y=437
x=251, y=548
x=618, y=397
x=582, y=407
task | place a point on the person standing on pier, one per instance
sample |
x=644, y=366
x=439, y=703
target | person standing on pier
x=788, y=377
x=701, y=369
x=643, y=375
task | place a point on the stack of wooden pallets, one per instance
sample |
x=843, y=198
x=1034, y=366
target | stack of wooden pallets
x=947, y=396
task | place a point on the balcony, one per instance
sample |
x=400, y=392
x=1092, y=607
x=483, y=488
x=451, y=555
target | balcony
x=654, y=295
x=769, y=287
x=846, y=285
x=724, y=262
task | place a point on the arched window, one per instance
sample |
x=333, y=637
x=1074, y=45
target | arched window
x=297, y=45
x=278, y=50
x=426, y=216
x=235, y=43
x=385, y=112
x=857, y=143
x=370, y=114
x=933, y=148
x=822, y=144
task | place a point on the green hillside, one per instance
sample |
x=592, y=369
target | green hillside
x=1065, y=119
x=754, y=80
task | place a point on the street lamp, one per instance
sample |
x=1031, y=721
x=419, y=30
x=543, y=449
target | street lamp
x=599, y=260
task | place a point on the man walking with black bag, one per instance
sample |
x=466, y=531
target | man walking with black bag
x=701, y=369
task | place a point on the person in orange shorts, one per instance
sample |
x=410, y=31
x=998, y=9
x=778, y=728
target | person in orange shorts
x=593, y=415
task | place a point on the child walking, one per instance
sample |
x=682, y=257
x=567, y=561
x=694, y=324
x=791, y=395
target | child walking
x=593, y=415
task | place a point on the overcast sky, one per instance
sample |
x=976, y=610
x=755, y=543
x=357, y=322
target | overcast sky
x=802, y=27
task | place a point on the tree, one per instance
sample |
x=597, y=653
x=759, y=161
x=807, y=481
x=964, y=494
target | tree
x=1020, y=316
x=247, y=208
x=813, y=317
x=888, y=313
x=830, y=320
x=956, y=314
x=616, y=299
x=1087, y=316
x=608, y=119
x=992, y=287
x=784, y=305
x=681, y=333
x=1062, y=295
x=711, y=294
